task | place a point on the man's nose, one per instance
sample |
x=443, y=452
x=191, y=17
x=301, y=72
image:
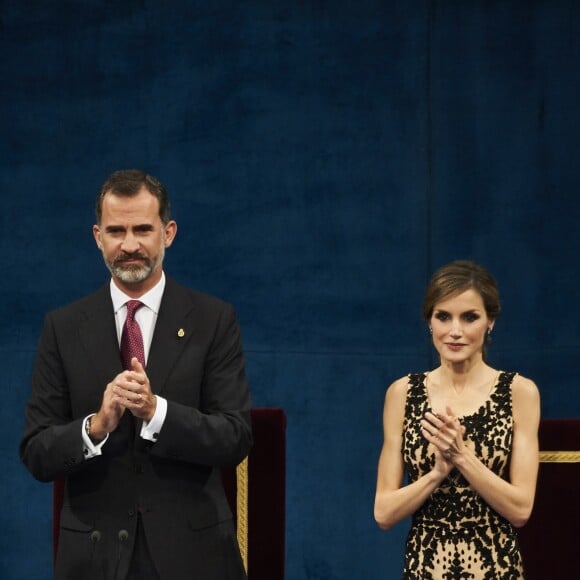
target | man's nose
x=130, y=244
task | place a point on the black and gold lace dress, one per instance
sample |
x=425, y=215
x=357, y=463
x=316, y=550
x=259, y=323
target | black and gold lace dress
x=456, y=534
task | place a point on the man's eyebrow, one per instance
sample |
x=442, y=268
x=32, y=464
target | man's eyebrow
x=113, y=229
x=139, y=228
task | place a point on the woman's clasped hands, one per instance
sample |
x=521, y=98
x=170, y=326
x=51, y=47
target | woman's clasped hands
x=445, y=433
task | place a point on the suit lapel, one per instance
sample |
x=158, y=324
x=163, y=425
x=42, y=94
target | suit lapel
x=172, y=331
x=98, y=335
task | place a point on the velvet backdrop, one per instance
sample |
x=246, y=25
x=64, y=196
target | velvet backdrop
x=323, y=158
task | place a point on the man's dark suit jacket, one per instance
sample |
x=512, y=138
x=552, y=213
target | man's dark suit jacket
x=174, y=485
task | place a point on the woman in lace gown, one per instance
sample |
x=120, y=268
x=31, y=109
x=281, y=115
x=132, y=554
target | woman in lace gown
x=465, y=436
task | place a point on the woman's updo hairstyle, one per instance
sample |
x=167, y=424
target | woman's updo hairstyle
x=457, y=277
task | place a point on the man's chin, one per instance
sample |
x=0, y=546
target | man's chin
x=131, y=275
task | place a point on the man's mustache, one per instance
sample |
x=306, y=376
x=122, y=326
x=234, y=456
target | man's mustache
x=126, y=257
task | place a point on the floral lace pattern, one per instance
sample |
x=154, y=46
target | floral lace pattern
x=456, y=534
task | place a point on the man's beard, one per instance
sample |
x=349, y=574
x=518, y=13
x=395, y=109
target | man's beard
x=133, y=273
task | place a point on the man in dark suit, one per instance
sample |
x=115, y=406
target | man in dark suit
x=140, y=443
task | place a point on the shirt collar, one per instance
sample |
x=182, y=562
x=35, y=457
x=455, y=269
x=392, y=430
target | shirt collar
x=151, y=298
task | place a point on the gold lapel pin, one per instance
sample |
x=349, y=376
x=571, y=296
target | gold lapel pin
x=181, y=333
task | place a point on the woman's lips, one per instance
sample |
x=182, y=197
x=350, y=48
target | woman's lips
x=454, y=345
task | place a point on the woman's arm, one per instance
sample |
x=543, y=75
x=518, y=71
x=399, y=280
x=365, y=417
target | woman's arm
x=393, y=503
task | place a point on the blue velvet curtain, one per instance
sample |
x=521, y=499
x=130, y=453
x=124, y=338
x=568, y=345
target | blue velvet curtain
x=323, y=158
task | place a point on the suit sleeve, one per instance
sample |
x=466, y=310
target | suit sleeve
x=51, y=444
x=218, y=433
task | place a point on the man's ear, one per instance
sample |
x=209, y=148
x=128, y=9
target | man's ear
x=170, y=232
x=97, y=236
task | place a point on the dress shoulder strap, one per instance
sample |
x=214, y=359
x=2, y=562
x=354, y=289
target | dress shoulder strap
x=416, y=394
x=502, y=393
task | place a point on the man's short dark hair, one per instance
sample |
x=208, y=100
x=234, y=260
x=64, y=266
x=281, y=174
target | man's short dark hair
x=128, y=183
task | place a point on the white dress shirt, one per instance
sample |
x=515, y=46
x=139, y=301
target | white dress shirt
x=146, y=317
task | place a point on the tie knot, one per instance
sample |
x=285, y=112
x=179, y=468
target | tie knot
x=132, y=307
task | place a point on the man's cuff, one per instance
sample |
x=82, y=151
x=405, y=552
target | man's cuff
x=151, y=430
x=89, y=448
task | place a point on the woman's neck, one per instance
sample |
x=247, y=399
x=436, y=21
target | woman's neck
x=465, y=374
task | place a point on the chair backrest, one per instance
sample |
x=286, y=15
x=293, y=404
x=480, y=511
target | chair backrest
x=256, y=492
x=549, y=541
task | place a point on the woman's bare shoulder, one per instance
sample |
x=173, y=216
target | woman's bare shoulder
x=397, y=390
x=525, y=395
x=395, y=402
x=525, y=403
x=523, y=386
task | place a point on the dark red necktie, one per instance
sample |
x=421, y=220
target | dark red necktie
x=131, y=337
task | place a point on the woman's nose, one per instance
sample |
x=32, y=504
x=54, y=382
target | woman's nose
x=456, y=328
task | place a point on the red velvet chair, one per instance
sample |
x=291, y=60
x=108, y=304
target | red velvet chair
x=550, y=540
x=256, y=491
